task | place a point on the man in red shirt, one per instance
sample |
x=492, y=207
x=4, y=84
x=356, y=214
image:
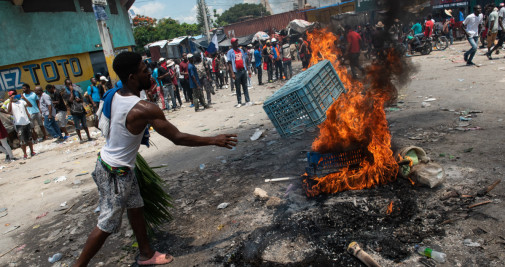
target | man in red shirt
x=353, y=50
x=237, y=63
x=188, y=93
x=428, y=27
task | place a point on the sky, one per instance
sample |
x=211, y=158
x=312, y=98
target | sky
x=185, y=10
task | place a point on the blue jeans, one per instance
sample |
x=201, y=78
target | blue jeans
x=470, y=53
x=52, y=127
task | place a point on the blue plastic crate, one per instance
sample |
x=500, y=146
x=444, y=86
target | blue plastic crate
x=303, y=101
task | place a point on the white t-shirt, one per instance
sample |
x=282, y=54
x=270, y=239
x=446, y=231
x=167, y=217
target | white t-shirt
x=178, y=71
x=19, y=113
x=501, y=14
x=472, y=23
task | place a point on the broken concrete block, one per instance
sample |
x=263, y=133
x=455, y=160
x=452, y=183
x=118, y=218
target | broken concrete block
x=429, y=174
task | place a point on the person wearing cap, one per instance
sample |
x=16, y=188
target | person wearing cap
x=267, y=60
x=277, y=58
x=449, y=25
x=102, y=86
x=175, y=84
x=22, y=123
x=252, y=60
x=165, y=81
x=237, y=67
x=258, y=65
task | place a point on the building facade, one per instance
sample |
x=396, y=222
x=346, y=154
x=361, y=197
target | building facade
x=45, y=42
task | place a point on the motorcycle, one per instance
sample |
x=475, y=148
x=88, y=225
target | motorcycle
x=419, y=43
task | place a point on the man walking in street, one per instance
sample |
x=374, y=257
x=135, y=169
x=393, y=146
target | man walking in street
x=276, y=50
x=501, y=32
x=258, y=63
x=49, y=113
x=286, y=58
x=114, y=167
x=18, y=109
x=166, y=86
x=354, y=50
x=34, y=111
x=472, y=24
x=237, y=62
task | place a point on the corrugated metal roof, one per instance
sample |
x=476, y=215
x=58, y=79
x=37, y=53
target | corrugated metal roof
x=323, y=7
x=178, y=40
x=160, y=43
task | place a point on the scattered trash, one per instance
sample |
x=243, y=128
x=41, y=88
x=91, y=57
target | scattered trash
x=60, y=179
x=393, y=109
x=56, y=257
x=36, y=176
x=47, y=181
x=223, y=161
x=430, y=174
x=135, y=245
x=441, y=155
x=36, y=226
x=461, y=118
x=12, y=228
x=223, y=205
x=257, y=134
x=202, y=166
x=81, y=174
x=260, y=193
x=468, y=150
x=425, y=104
x=77, y=182
x=42, y=215
x=288, y=190
x=2, y=167
x=469, y=243
x=430, y=100
x=63, y=204
x=21, y=247
x=430, y=253
x=280, y=179
x=97, y=210
x=3, y=213
x=273, y=202
x=220, y=227
x=480, y=204
x=488, y=189
x=461, y=80
x=204, y=130
x=355, y=250
x=128, y=233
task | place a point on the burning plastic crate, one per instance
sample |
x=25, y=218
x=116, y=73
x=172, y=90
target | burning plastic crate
x=303, y=101
x=323, y=164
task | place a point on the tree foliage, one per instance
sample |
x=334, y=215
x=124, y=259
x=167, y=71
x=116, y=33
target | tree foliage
x=149, y=30
x=240, y=12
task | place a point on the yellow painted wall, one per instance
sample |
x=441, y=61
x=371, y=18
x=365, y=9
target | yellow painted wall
x=46, y=71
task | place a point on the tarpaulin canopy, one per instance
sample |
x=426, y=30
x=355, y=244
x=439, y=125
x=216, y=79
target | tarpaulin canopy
x=243, y=41
x=260, y=36
x=299, y=25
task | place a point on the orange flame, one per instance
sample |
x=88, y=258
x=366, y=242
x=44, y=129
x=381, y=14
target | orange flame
x=356, y=119
x=390, y=208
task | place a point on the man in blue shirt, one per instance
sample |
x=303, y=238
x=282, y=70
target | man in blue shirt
x=237, y=66
x=258, y=57
x=194, y=83
x=94, y=94
x=34, y=111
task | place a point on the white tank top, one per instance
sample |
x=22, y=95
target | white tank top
x=121, y=147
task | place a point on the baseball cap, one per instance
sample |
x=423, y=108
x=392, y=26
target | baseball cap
x=190, y=55
x=103, y=78
x=170, y=63
x=233, y=40
x=161, y=59
x=11, y=93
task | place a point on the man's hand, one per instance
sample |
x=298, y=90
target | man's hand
x=233, y=75
x=12, y=97
x=226, y=140
x=50, y=116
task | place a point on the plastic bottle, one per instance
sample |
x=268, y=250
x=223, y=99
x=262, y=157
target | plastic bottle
x=430, y=253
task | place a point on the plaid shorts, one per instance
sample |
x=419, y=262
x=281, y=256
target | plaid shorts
x=116, y=194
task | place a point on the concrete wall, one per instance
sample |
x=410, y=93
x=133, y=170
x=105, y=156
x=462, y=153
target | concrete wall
x=39, y=48
x=31, y=36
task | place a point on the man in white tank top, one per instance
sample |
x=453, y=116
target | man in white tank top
x=117, y=186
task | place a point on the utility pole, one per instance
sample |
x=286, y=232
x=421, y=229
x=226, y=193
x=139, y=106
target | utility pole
x=205, y=18
x=107, y=46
